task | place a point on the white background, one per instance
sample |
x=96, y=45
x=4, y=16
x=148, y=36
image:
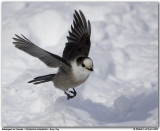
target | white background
x=122, y=91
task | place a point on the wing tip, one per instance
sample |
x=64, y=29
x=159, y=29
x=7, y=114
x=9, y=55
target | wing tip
x=80, y=11
x=75, y=11
x=15, y=36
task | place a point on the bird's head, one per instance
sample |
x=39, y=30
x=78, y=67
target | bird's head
x=88, y=64
x=85, y=62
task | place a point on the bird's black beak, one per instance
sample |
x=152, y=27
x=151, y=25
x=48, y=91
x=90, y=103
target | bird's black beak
x=91, y=69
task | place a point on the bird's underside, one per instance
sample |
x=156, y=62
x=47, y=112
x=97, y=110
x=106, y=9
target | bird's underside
x=47, y=78
x=78, y=46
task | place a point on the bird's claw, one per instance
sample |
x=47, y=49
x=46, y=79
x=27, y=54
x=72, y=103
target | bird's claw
x=69, y=96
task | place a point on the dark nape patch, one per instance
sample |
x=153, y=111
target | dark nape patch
x=80, y=60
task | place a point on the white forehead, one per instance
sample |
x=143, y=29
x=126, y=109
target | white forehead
x=88, y=62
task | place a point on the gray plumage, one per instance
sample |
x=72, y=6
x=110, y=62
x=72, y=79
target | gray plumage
x=74, y=66
x=48, y=58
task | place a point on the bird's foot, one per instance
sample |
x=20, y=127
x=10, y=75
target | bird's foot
x=73, y=92
x=69, y=96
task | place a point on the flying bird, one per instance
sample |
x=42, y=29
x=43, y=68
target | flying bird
x=74, y=66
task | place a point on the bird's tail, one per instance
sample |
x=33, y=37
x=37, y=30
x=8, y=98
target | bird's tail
x=42, y=79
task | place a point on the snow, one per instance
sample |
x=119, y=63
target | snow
x=122, y=104
x=121, y=92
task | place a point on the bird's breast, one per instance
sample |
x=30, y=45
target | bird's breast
x=79, y=73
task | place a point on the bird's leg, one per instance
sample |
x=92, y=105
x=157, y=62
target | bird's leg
x=73, y=92
x=69, y=96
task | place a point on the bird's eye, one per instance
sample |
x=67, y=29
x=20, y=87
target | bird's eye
x=83, y=65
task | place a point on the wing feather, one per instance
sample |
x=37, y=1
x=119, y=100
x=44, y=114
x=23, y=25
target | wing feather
x=75, y=32
x=83, y=19
x=70, y=39
x=79, y=38
x=48, y=58
x=89, y=28
x=73, y=36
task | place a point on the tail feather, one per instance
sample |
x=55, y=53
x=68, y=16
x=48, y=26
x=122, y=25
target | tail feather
x=42, y=79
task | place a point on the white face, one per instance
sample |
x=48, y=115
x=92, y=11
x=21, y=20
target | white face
x=88, y=64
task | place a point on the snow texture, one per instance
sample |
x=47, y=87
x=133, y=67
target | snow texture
x=121, y=92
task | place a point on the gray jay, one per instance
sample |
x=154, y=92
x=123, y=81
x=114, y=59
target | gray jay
x=74, y=66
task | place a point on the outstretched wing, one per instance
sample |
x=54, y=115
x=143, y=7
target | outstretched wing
x=78, y=39
x=48, y=58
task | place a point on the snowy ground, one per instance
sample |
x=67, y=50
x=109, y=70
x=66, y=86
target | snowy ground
x=121, y=92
